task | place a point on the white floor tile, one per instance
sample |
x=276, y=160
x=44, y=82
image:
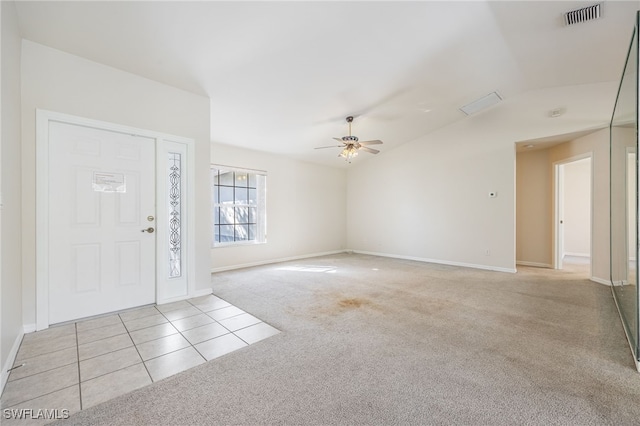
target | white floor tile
x=182, y=313
x=173, y=363
x=257, y=332
x=228, y=312
x=205, y=332
x=219, y=346
x=108, y=363
x=118, y=353
x=152, y=333
x=114, y=384
x=104, y=346
x=192, y=322
x=162, y=346
x=239, y=321
x=140, y=323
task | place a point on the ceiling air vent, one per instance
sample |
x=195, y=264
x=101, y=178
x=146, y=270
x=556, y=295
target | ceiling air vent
x=582, y=15
x=482, y=103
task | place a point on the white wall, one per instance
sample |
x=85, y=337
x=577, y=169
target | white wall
x=577, y=207
x=60, y=82
x=534, y=210
x=10, y=211
x=306, y=206
x=428, y=199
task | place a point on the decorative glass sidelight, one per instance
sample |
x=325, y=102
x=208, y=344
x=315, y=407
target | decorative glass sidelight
x=175, y=205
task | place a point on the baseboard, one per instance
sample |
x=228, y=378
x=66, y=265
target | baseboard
x=197, y=293
x=203, y=292
x=566, y=253
x=29, y=328
x=437, y=261
x=11, y=359
x=633, y=352
x=534, y=264
x=280, y=260
x=601, y=281
x=620, y=283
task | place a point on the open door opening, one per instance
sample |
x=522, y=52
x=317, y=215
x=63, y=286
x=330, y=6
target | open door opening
x=573, y=213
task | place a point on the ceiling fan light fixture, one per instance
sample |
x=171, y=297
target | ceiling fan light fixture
x=349, y=152
x=351, y=145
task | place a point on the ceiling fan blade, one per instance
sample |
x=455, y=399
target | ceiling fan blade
x=375, y=142
x=330, y=146
x=371, y=150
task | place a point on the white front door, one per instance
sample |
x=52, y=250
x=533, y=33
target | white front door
x=101, y=197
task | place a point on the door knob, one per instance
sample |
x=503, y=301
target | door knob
x=149, y=230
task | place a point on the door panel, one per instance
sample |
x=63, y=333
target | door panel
x=101, y=190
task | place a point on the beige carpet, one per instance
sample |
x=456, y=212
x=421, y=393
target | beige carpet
x=369, y=340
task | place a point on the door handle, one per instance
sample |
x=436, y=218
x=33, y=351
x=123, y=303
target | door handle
x=149, y=230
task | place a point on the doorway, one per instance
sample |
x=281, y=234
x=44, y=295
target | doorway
x=114, y=223
x=101, y=221
x=573, y=213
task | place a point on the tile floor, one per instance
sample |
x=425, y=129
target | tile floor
x=77, y=365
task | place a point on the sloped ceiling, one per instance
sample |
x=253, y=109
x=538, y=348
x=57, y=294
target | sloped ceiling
x=282, y=76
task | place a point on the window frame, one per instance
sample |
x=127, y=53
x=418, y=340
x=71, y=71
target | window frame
x=260, y=220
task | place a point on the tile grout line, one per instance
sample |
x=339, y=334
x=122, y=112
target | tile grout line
x=33, y=399
x=227, y=328
x=79, y=376
x=223, y=326
x=136, y=348
x=46, y=371
x=183, y=336
x=128, y=333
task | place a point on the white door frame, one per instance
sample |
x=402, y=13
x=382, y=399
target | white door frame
x=557, y=210
x=166, y=289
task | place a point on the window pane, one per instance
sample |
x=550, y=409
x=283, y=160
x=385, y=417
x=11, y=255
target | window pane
x=253, y=212
x=253, y=196
x=226, y=233
x=242, y=215
x=226, y=215
x=215, y=194
x=238, y=207
x=242, y=233
x=226, y=178
x=226, y=195
x=241, y=179
x=241, y=195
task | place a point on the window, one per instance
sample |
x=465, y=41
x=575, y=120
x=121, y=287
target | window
x=239, y=212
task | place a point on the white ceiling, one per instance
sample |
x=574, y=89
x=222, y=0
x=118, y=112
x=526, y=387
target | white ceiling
x=282, y=76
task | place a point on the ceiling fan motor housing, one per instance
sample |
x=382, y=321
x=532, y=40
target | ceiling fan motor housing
x=350, y=139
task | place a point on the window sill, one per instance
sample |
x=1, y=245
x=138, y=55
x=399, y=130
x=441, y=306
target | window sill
x=237, y=244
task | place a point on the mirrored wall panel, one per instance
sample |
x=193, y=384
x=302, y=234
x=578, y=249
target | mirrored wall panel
x=624, y=196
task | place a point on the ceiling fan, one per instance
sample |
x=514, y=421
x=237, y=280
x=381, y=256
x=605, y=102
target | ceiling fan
x=351, y=145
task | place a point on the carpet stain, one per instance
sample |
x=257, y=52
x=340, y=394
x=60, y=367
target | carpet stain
x=353, y=303
x=335, y=303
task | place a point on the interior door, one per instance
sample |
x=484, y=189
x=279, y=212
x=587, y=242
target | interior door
x=101, y=221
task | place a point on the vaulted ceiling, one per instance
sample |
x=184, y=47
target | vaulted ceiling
x=282, y=76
